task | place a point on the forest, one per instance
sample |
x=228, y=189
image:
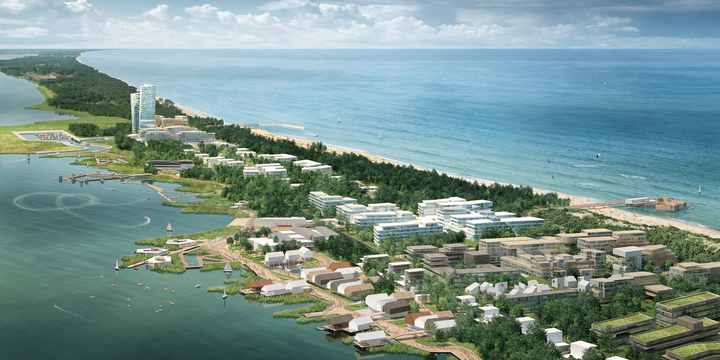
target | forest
x=92, y=130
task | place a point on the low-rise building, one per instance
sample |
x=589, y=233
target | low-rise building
x=171, y=165
x=297, y=286
x=578, y=349
x=377, y=301
x=338, y=322
x=476, y=257
x=631, y=257
x=250, y=171
x=658, y=255
x=372, y=338
x=257, y=285
x=181, y=242
x=360, y=324
x=399, y=267
x=324, y=278
x=625, y=325
x=157, y=261
x=350, y=272
x=704, y=304
x=272, y=290
x=274, y=169
x=278, y=157
x=697, y=274
x=398, y=308
x=305, y=253
x=386, y=217
x=527, y=301
x=152, y=251
x=481, y=274
x=276, y=258
x=355, y=291
x=686, y=330
x=605, y=288
x=525, y=323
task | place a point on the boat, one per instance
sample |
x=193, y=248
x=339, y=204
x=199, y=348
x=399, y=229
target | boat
x=172, y=291
x=111, y=189
x=128, y=299
x=224, y=294
x=319, y=328
x=96, y=278
x=116, y=265
x=380, y=136
x=29, y=154
x=227, y=268
x=92, y=297
x=161, y=306
x=128, y=305
x=338, y=121
x=700, y=189
x=172, y=303
x=197, y=285
x=160, y=310
x=165, y=289
x=145, y=289
x=137, y=268
x=147, y=198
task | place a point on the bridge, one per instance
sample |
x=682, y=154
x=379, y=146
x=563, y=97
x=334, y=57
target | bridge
x=413, y=333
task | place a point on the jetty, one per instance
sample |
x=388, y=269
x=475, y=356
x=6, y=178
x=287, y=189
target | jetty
x=282, y=125
x=97, y=176
x=662, y=203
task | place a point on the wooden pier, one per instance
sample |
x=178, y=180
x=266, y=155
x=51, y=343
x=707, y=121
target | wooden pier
x=97, y=176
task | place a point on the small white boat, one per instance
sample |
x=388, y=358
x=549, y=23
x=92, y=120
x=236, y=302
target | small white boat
x=116, y=265
x=380, y=136
x=227, y=268
x=338, y=121
x=111, y=189
x=224, y=294
x=700, y=190
x=197, y=285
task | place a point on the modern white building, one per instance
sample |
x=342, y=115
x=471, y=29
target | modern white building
x=292, y=257
x=181, y=242
x=422, y=320
x=386, y=217
x=274, y=169
x=276, y=258
x=489, y=313
x=360, y=324
x=250, y=171
x=212, y=161
x=467, y=299
x=377, y=301
x=341, y=288
x=525, y=323
x=297, y=286
x=473, y=288
x=272, y=290
x=258, y=243
x=349, y=273
x=420, y=226
x=324, y=201
x=307, y=272
x=350, y=211
x=159, y=261
x=445, y=325
x=313, y=166
x=142, y=106
x=430, y=207
x=372, y=338
x=152, y=251
x=475, y=228
x=306, y=253
x=279, y=157
x=578, y=349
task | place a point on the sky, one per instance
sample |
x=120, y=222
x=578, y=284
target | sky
x=327, y=24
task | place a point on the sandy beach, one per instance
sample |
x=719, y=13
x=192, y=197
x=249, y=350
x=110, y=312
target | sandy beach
x=574, y=200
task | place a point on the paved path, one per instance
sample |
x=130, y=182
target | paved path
x=395, y=331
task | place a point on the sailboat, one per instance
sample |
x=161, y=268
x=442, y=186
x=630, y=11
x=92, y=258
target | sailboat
x=380, y=136
x=224, y=294
x=116, y=265
x=338, y=121
x=700, y=190
x=227, y=268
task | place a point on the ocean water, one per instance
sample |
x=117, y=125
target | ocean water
x=488, y=114
x=57, y=237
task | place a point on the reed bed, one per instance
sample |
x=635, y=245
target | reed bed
x=219, y=232
x=176, y=267
x=297, y=313
x=132, y=259
x=314, y=319
x=235, y=265
x=395, y=347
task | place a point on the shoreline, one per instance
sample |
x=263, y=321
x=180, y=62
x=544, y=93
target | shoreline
x=614, y=213
x=574, y=200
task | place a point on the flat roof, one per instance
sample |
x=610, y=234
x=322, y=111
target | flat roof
x=688, y=299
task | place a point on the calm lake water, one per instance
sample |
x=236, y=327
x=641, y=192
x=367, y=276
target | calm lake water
x=57, y=237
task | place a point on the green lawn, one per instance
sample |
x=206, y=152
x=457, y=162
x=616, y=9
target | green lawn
x=627, y=320
x=661, y=333
x=219, y=232
x=468, y=345
x=400, y=323
x=539, y=280
x=428, y=341
x=356, y=307
x=695, y=348
x=688, y=300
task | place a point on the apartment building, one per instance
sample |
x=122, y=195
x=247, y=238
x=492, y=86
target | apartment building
x=455, y=253
x=350, y=211
x=548, y=265
x=430, y=207
x=494, y=247
x=279, y=157
x=605, y=288
x=420, y=226
x=313, y=166
x=696, y=274
x=324, y=201
x=527, y=301
x=274, y=169
x=386, y=217
x=686, y=330
x=700, y=305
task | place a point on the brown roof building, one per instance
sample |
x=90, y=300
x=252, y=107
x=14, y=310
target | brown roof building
x=339, y=265
x=403, y=295
x=356, y=290
x=257, y=285
x=394, y=308
x=323, y=279
x=339, y=322
x=410, y=318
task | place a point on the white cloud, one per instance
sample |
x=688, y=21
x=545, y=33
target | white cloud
x=25, y=32
x=159, y=12
x=386, y=12
x=6, y=21
x=286, y=5
x=178, y=18
x=202, y=12
x=78, y=6
x=627, y=29
x=12, y=5
x=608, y=22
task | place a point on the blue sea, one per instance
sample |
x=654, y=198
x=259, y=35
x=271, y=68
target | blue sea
x=487, y=114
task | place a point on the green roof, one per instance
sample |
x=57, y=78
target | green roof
x=661, y=333
x=689, y=299
x=708, y=322
x=695, y=348
x=625, y=320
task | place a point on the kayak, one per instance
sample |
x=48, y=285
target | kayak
x=92, y=297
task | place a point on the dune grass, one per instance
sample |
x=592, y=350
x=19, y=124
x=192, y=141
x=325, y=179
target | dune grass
x=212, y=204
x=234, y=286
x=314, y=319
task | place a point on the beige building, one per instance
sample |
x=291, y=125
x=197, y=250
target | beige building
x=605, y=288
x=161, y=121
x=549, y=265
x=497, y=248
x=697, y=274
x=604, y=239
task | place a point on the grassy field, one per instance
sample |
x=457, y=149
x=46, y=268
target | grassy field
x=219, y=232
x=400, y=323
x=624, y=321
x=661, y=333
x=11, y=144
x=428, y=341
x=192, y=185
x=214, y=204
x=356, y=307
x=235, y=265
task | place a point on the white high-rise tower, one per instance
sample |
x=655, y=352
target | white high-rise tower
x=143, y=108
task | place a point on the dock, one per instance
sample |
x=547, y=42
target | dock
x=661, y=203
x=283, y=125
x=97, y=176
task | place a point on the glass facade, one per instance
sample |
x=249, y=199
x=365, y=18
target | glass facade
x=135, y=110
x=147, y=107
